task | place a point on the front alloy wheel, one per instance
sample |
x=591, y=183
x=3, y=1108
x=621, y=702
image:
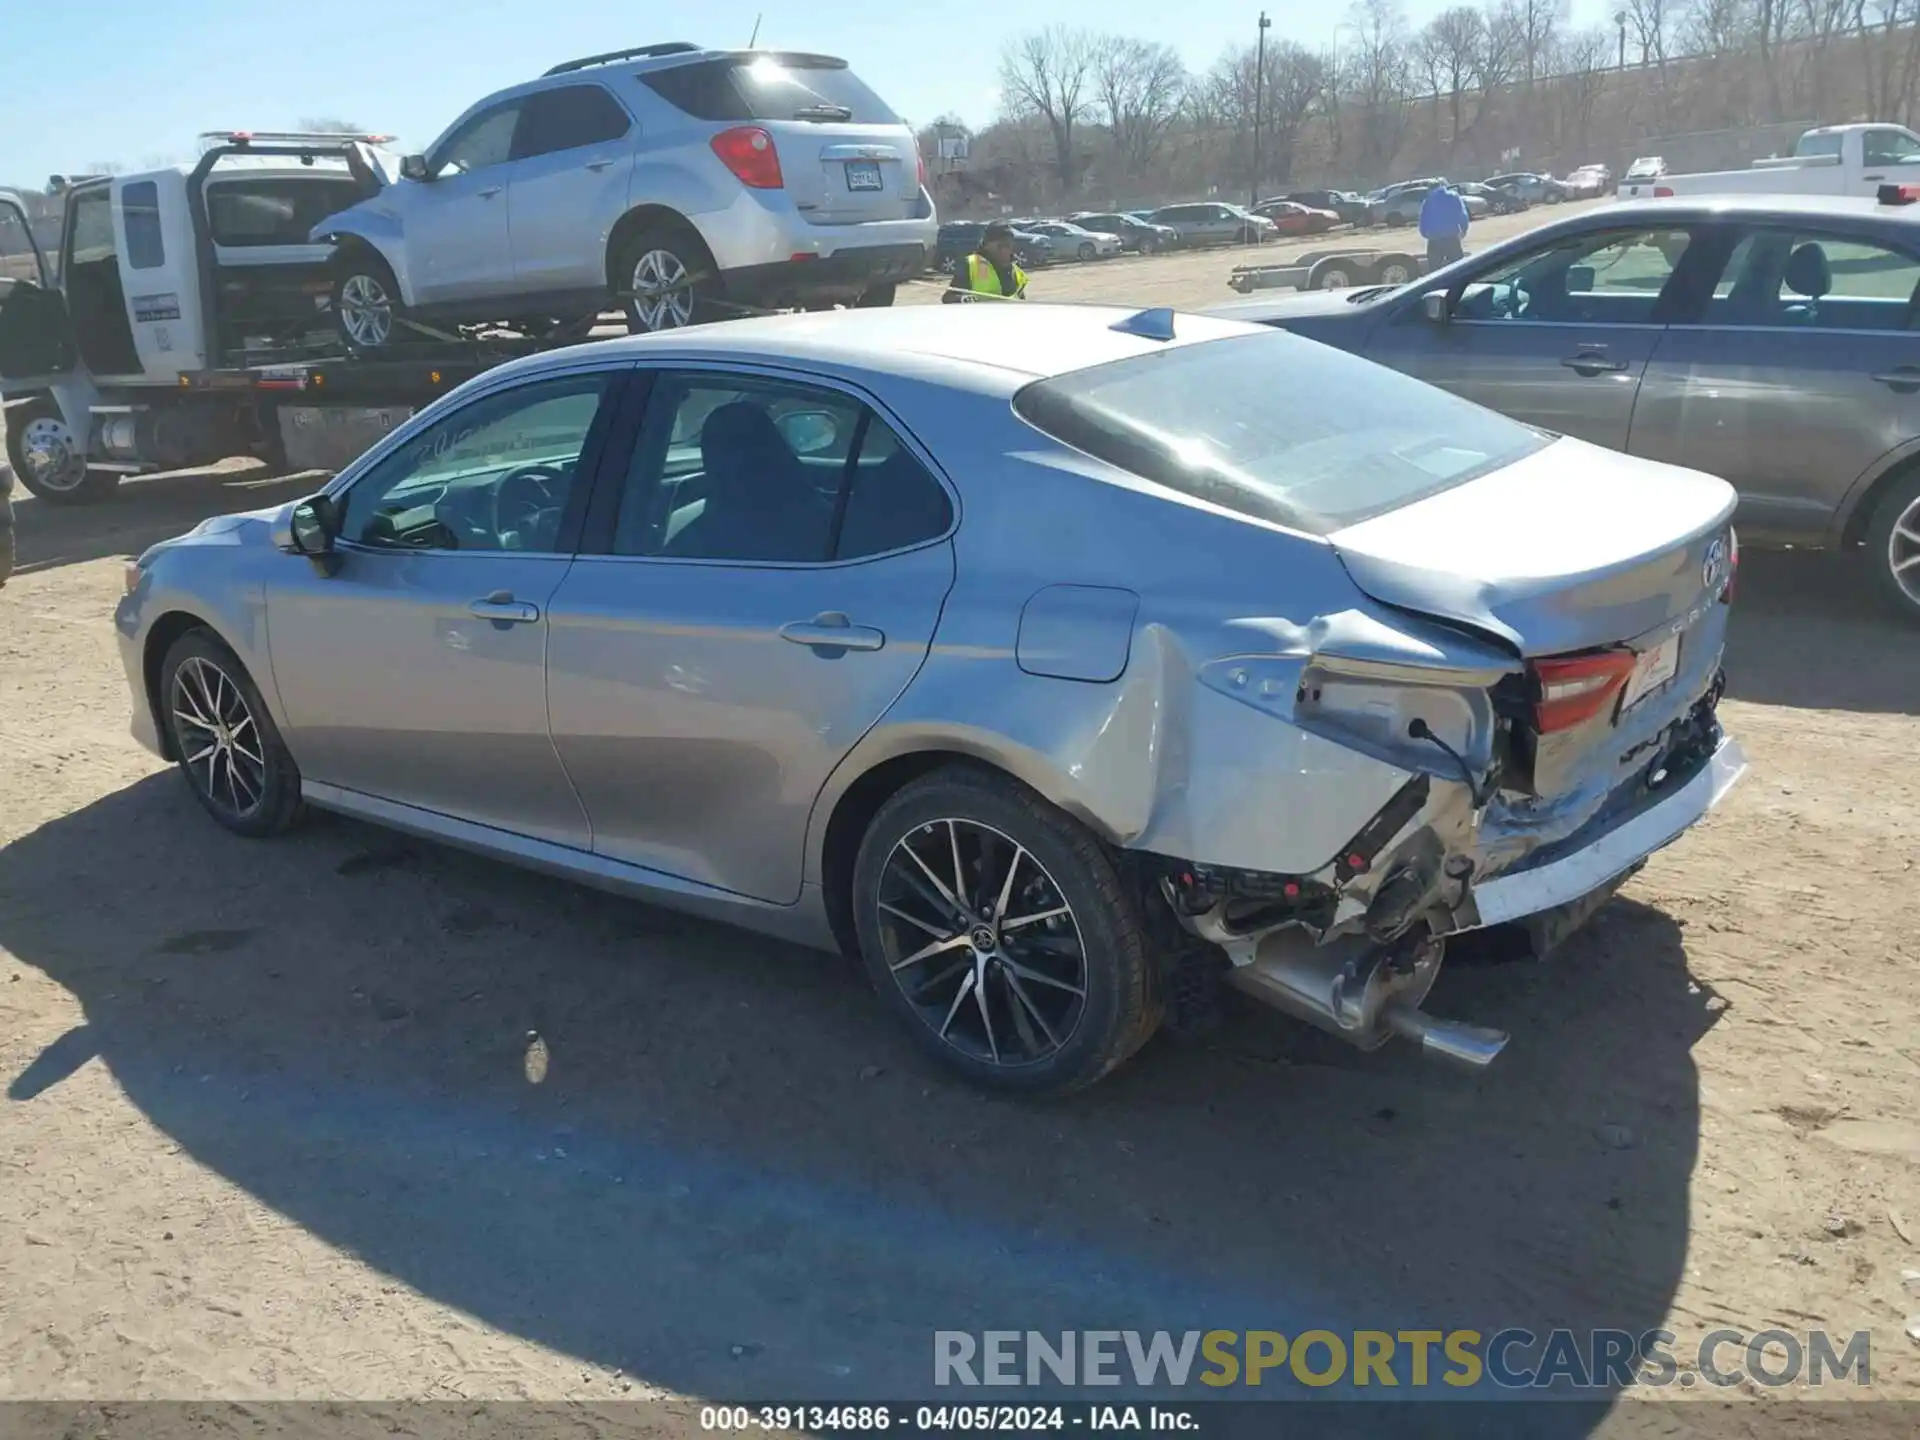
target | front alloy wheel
x=366, y=310
x=223, y=739
x=1893, y=544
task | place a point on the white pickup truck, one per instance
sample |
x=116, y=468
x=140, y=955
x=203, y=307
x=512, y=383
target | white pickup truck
x=1830, y=160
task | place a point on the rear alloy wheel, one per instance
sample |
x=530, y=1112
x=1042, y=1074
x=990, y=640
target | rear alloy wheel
x=46, y=456
x=665, y=283
x=1000, y=931
x=224, y=741
x=366, y=303
x=1893, y=545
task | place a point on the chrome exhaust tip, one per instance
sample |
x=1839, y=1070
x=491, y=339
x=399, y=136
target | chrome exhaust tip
x=1473, y=1047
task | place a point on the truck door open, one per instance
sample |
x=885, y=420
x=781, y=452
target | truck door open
x=36, y=337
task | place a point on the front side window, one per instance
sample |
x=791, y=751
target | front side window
x=1615, y=277
x=1794, y=278
x=486, y=139
x=764, y=471
x=568, y=118
x=140, y=210
x=92, y=239
x=495, y=475
x=1277, y=428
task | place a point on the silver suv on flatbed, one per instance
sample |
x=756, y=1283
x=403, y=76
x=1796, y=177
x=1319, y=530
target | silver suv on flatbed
x=683, y=183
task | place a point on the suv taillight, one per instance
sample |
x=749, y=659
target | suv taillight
x=748, y=152
x=1575, y=688
x=920, y=166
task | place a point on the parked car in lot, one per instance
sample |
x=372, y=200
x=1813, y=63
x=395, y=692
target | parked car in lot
x=1291, y=218
x=1498, y=201
x=682, y=183
x=1140, y=236
x=1766, y=339
x=958, y=239
x=1351, y=208
x=1532, y=188
x=1214, y=224
x=1402, y=206
x=1076, y=241
x=1589, y=181
x=790, y=650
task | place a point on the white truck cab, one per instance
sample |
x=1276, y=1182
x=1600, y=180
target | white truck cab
x=1827, y=160
x=158, y=279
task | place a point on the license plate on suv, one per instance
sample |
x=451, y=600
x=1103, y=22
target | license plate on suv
x=864, y=175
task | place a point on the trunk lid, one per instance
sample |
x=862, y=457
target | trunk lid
x=848, y=174
x=1569, y=548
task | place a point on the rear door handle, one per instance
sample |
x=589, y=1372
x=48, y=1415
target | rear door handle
x=1593, y=362
x=831, y=630
x=502, y=608
x=1903, y=378
x=489, y=192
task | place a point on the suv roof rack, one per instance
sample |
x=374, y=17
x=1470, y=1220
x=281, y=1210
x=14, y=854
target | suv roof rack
x=639, y=52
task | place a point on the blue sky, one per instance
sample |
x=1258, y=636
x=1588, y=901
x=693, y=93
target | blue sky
x=135, y=81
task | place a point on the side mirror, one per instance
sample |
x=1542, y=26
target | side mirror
x=1580, y=279
x=413, y=167
x=1437, y=306
x=309, y=528
x=809, y=432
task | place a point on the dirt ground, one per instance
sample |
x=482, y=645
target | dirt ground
x=348, y=1116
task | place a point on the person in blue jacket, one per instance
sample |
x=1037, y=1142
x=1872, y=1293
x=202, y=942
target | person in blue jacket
x=1443, y=225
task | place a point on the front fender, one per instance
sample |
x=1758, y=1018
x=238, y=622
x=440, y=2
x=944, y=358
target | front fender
x=375, y=224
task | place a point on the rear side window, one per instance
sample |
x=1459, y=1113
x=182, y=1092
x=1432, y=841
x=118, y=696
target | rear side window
x=1277, y=428
x=567, y=119
x=140, y=209
x=1811, y=146
x=92, y=238
x=244, y=213
x=770, y=87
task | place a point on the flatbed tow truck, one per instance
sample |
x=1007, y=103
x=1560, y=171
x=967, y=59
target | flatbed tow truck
x=170, y=335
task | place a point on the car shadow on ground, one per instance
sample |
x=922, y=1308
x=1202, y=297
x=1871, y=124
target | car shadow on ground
x=1810, y=631
x=146, y=510
x=709, y=1159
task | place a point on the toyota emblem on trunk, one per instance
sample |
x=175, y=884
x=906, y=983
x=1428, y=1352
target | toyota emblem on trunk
x=1713, y=567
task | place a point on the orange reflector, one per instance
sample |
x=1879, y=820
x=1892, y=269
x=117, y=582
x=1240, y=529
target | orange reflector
x=435, y=376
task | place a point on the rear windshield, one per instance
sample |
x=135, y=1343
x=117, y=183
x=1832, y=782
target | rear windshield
x=1277, y=428
x=1811, y=145
x=770, y=87
x=275, y=211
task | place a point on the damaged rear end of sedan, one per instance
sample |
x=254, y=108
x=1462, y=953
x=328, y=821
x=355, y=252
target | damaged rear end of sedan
x=1516, y=650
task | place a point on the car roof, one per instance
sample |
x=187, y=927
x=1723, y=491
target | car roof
x=991, y=347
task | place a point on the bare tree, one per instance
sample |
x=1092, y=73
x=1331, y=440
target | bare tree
x=1296, y=85
x=1138, y=87
x=1450, y=50
x=1049, y=74
x=1583, y=60
x=1381, y=79
x=1892, y=58
x=330, y=125
x=1536, y=26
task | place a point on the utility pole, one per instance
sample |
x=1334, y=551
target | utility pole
x=1620, y=19
x=1259, y=86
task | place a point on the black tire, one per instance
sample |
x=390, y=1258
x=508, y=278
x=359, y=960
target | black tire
x=1117, y=1009
x=1087, y=250
x=72, y=483
x=200, y=677
x=876, y=297
x=667, y=258
x=367, y=313
x=1893, y=537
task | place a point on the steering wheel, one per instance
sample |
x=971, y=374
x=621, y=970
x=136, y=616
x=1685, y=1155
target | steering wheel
x=523, y=501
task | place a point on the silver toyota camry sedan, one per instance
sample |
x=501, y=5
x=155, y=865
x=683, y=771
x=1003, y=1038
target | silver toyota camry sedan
x=1059, y=662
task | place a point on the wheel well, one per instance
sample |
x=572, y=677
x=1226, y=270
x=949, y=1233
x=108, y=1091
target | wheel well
x=160, y=639
x=852, y=815
x=641, y=218
x=1862, y=516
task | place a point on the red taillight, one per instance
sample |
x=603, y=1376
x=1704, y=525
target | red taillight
x=920, y=163
x=748, y=152
x=1575, y=688
x=1733, y=566
x=1663, y=192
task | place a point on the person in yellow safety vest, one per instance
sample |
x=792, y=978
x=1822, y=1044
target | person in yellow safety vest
x=989, y=270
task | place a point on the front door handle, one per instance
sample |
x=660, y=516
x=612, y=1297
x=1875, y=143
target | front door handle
x=501, y=608
x=1903, y=378
x=1593, y=362
x=598, y=164
x=832, y=631
x=489, y=192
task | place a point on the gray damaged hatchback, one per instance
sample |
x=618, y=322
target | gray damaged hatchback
x=1056, y=661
